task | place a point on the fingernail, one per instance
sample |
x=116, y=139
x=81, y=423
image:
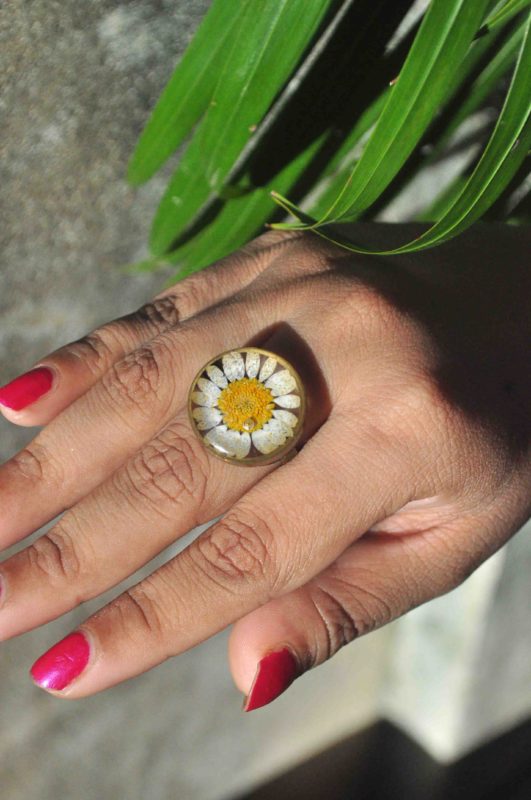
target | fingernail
x=275, y=672
x=63, y=662
x=26, y=389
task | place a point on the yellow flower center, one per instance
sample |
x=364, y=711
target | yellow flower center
x=246, y=405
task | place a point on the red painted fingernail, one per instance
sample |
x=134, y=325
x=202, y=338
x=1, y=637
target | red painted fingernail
x=274, y=674
x=26, y=389
x=62, y=663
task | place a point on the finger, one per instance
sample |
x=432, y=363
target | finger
x=37, y=396
x=167, y=488
x=269, y=543
x=377, y=579
x=134, y=400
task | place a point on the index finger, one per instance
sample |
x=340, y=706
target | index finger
x=37, y=396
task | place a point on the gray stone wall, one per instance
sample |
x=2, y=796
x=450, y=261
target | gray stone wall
x=77, y=80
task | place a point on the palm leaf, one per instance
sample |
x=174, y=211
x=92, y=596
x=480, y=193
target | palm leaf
x=265, y=47
x=506, y=150
x=424, y=83
x=503, y=58
x=502, y=15
x=187, y=94
x=239, y=219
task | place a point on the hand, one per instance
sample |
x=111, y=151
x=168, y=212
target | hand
x=414, y=466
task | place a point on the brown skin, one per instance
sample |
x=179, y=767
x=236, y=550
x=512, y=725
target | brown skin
x=415, y=466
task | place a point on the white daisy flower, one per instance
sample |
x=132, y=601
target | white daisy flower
x=247, y=404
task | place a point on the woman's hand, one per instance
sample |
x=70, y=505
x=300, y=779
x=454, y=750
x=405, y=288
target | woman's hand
x=414, y=467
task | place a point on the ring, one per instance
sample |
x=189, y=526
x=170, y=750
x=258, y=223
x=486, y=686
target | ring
x=247, y=406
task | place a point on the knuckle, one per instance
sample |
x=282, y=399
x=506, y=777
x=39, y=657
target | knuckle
x=96, y=350
x=419, y=396
x=297, y=245
x=139, y=379
x=356, y=605
x=238, y=552
x=408, y=409
x=169, y=469
x=100, y=348
x=55, y=555
x=189, y=297
x=338, y=626
x=33, y=463
x=360, y=307
x=160, y=313
x=260, y=255
x=371, y=608
x=141, y=611
x=425, y=394
x=268, y=243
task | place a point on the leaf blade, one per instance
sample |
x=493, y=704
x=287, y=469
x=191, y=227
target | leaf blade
x=509, y=10
x=186, y=95
x=265, y=49
x=441, y=43
x=505, y=151
x=240, y=218
x=507, y=148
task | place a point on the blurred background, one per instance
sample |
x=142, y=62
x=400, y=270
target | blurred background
x=391, y=715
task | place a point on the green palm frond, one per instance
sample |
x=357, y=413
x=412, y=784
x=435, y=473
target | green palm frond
x=300, y=99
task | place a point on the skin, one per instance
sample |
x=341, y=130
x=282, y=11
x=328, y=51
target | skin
x=414, y=467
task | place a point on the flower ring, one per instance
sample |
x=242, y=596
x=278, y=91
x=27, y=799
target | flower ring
x=247, y=406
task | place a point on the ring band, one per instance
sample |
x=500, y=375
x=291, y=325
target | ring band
x=247, y=406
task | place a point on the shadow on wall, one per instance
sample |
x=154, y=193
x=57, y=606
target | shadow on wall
x=382, y=763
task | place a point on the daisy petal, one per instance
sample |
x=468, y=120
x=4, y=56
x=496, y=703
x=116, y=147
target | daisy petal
x=268, y=367
x=288, y=401
x=252, y=364
x=228, y=442
x=204, y=400
x=286, y=417
x=210, y=389
x=219, y=439
x=233, y=366
x=206, y=418
x=242, y=444
x=271, y=436
x=281, y=382
x=217, y=376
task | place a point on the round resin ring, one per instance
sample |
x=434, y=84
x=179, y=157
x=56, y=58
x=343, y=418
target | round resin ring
x=247, y=406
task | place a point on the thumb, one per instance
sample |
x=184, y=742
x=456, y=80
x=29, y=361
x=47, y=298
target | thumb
x=375, y=580
x=266, y=648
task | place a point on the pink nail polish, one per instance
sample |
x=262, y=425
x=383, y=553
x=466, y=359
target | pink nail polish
x=275, y=672
x=62, y=663
x=26, y=389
